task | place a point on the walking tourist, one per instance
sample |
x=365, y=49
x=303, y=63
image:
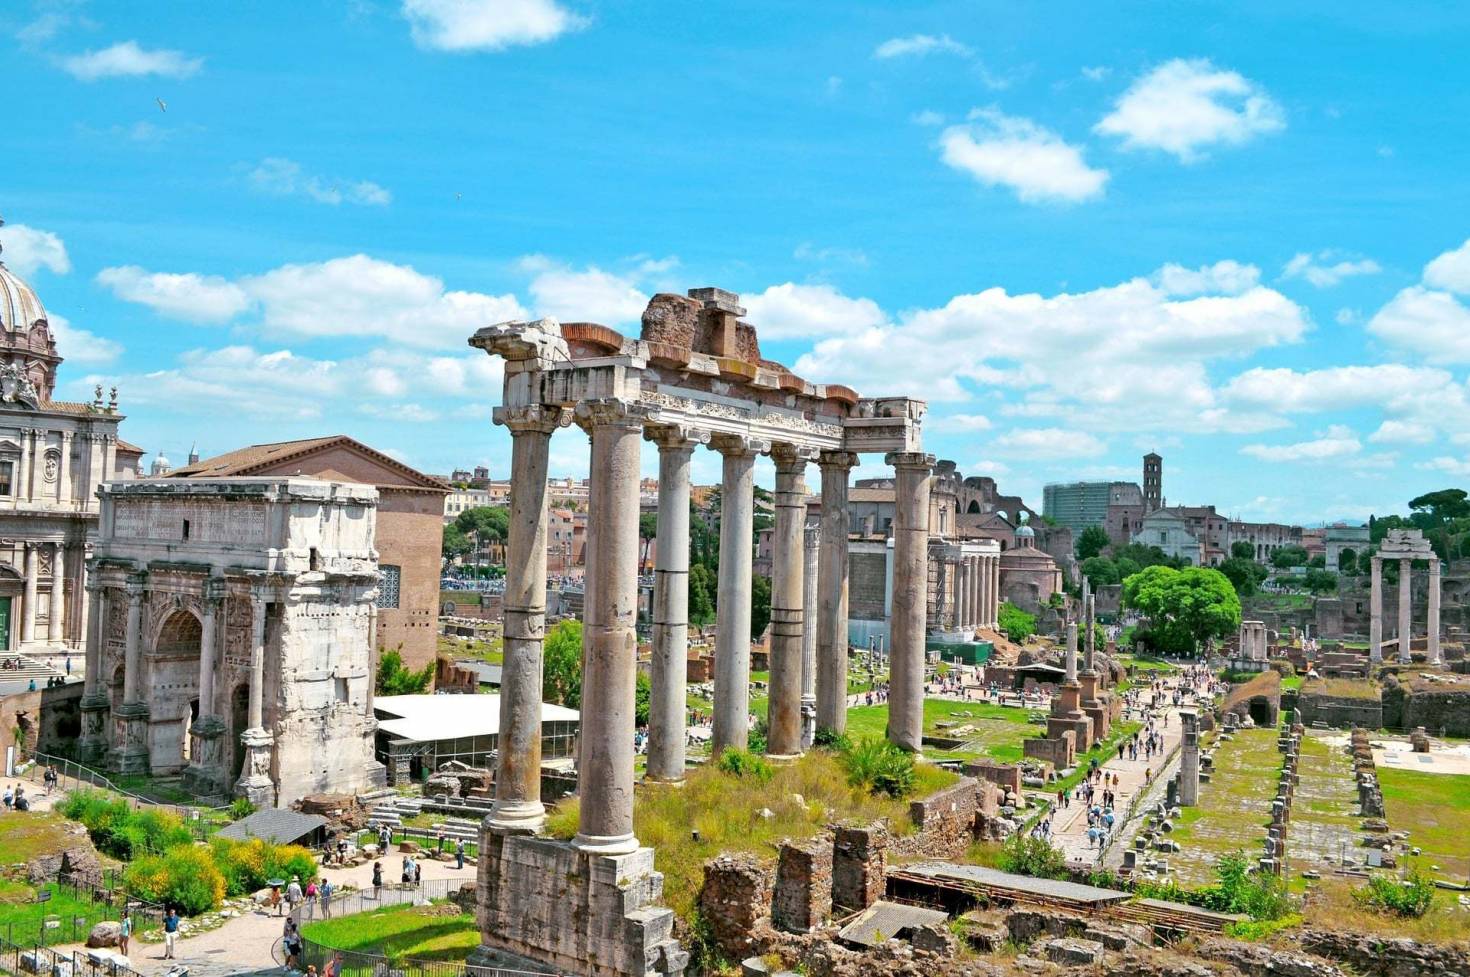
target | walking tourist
x=170, y=933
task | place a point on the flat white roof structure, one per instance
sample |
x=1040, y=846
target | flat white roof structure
x=424, y=718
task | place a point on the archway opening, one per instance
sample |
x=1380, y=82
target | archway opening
x=239, y=717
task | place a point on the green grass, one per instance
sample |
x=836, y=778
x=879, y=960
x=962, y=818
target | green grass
x=1289, y=682
x=1341, y=688
x=1435, y=809
x=22, y=918
x=26, y=834
x=436, y=932
x=999, y=730
x=1234, y=807
x=803, y=797
x=492, y=651
x=1148, y=665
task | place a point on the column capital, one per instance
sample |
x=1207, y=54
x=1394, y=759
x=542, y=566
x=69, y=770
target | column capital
x=610, y=412
x=837, y=459
x=676, y=437
x=532, y=418
x=137, y=583
x=910, y=459
x=791, y=456
x=214, y=590
x=1434, y=566
x=737, y=445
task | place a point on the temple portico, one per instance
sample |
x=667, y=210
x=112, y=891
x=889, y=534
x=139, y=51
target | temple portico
x=694, y=378
x=1406, y=546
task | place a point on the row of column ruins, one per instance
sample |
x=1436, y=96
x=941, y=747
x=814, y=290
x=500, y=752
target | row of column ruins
x=976, y=601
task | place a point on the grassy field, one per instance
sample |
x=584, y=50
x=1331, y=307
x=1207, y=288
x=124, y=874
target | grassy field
x=716, y=812
x=1234, y=807
x=1148, y=665
x=435, y=932
x=23, y=836
x=1435, y=809
x=492, y=651
x=998, y=731
x=1324, y=814
x=1341, y=688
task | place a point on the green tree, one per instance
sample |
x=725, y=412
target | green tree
x=1245, y=575
x=1184, y=607
x=395, y=678
x=1100, y=571
x=1318, y=562
x=760, y=606
x=647, y=533
x=487, y=525
x=1143, y=556
x=1091, y=542
x=1435, y=512
x=455, y=543
x=1320, y=581
x=1126, y=568
x=1242, y=550
x=701, y=595
x=1016, y=623
x=1289, y=556
x=1347, y=560
x=561, y=671
x=642, y=696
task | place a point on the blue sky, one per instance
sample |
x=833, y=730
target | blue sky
x=1232, y=233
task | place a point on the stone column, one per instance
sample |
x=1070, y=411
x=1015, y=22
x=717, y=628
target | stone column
x=605, y=774
x=732, y=623
x=962, y=605
x=810, y=540
x=1090, y=662
x=94, y=705
x=1406, y=593
x=1071, y=662
x=977, y=573
x=832, y=592
x=994, y=609
x=1189, y=759
x=206, y=771
x=667, y=717
x=255, y=781
x=56, y=618
x=23, y=481
x=910, y=597
x=133, y=641
x=518, y=769
x=788, y=592
x=1375, y=612
x=33, y=572
x=130, y=736
x=1434, y=580
x=63, y=470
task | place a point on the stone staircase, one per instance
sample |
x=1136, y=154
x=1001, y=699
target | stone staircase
x=23, y=668
x=393, y=810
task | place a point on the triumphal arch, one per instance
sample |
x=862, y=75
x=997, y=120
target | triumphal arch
x=693, y=379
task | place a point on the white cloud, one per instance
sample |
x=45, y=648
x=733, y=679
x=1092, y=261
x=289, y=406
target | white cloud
x=1433, y=324
x=487, y=25
x=127, y=60
x=927, y=117
x=1402, y=432
x=1450, y=271
x=1336, y=443
x=1326, y=268
x=987, y=466
x=1185, y=106
x=1223, y=278
x=239, y=381
x=80, y=346
x=588, y=295
x=190, y=297
x=1045, y=443
x=960, y=423
x=918, y=45
x=1096, y=73
x=1346, y=316
x=285, y=178
x=29, y=249
x=806, y=251
x=1458, y=467
x=1333, y=388
x=792, y=311
x=1000, y=150
x=415, y=413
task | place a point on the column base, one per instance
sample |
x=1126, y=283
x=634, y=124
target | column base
x=92, y=744
x=255, y=784
x=516, y=817
x=605, y=844
x=205, y=776
x=129, y=752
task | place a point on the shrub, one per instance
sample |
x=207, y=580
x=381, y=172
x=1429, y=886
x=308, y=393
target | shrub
x=185, y=878
x=241, y=808
x=743, y=763
x=1409, y=897
x=880, y=767
x=120, y=831
x=832, y=740
x=247, y=865
x=1036, y=857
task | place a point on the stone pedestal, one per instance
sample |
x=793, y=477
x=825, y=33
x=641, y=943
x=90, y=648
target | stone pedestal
x=92, y=744
x=129, y=739
x=255, y=782
x=206, y=773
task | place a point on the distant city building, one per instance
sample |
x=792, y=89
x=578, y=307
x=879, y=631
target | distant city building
x=1079, y=505
x=1153, y=483
x=460, y=499
x=1169, y=530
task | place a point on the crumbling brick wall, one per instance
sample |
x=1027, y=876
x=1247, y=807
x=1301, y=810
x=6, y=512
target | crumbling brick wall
x=859, y=858
x=946, y=822
x=734, y=903
x=803, y=893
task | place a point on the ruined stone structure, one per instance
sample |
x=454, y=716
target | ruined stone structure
x=1189, y=759
x=1028, y=575
x=53, y=455
x=694, y=377
x=1406, y=546
x=231, y=635
x=1252, y=652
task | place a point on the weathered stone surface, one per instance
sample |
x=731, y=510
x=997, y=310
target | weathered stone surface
x=859, y=857
x=734, y=902
x=1069, y=951
x=1252, y=958
x=803, y=891
x=946, y=822
x=105, y=933
x=1376, y=956
x=77, y=863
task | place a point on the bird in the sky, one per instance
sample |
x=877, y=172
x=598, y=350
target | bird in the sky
x=162, y=105
x=459, y=196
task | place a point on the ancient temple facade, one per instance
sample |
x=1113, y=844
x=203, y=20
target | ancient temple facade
x=53, y=456
x=230, y=636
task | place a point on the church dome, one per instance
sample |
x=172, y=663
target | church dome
x=20, y=307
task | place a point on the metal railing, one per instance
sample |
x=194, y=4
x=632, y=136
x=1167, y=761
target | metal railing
x=71, y=774
x=21, y=959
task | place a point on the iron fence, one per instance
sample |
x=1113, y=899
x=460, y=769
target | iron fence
x=22, y=959
x=70, y=774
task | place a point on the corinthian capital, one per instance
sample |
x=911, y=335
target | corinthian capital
x=535, y=418
x=610, y=412
x=736, y=445
x=676, y=437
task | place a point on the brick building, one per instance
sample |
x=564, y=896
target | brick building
x=410, y=517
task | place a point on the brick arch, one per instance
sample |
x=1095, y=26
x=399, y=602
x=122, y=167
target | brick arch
x=180, y=631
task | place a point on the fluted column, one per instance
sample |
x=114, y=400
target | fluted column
x=23, y=482
x=56, y=618
x=33, y=572
x=92, y=666
x=810, y=547
x=209, y=644
x=832, y=592
x=962, y=593
x=605, y=773
x=788, y=594
x=1375, y=612
x=1406, y=594
x=732, y=624
x=910, y=598
x=257, y=659
x=976, y=572
x=518, y=752
x=92, y=744
x=994, y=591
x=986, y=593
x=1433, y=636
x=133, y=641
x=1071, y=663
x=667, y=717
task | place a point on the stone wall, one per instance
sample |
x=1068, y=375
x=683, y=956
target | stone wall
x=945, y=822
x=1006, y=776
x=1341, y=712
x=859, y=859
x=1442, y=710
x=1377, y=956
x=49, y=719
x=802, y=897
x=735, y=902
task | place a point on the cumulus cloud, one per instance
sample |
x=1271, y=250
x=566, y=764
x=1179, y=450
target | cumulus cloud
x=1450, y=271
x=79, y=345
x=487, y=25
x=29, y=249
x=919, y=45
x=240, y=381
x=1050, y=443
x=1223, y=277
x=127, y=59
x=190, y=297
x=959, y=423
x=1036, y=163
x=1458, y=467
x=1402, y=432
x=1184, y=107
x=286, y=178
x=792, y=311
x=1337, y=442
x=1434, y=324
x=1326, y=268
x=583, y=295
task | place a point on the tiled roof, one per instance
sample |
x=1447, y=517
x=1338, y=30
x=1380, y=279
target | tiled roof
x=275, y=825
x=250, y=460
